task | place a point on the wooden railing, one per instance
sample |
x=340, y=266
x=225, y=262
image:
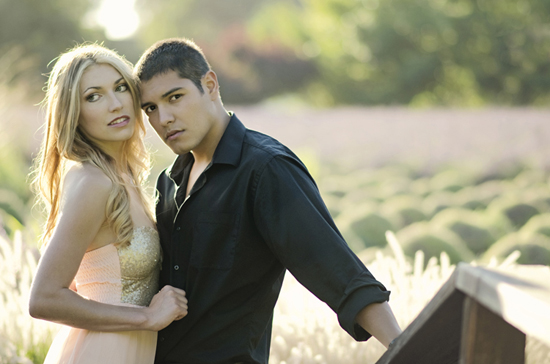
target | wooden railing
x=479, y=316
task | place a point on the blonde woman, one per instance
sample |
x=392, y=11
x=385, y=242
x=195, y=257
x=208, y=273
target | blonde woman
x=98, y=274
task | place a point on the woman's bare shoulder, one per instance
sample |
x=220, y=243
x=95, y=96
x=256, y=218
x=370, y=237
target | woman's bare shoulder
x=88, y=177
x=86, y=183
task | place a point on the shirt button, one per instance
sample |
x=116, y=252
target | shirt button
x=176, y=267
x=178, y=228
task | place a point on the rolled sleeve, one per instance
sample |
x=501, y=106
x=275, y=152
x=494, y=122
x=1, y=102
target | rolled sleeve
x=360, y=292
x=299, y=230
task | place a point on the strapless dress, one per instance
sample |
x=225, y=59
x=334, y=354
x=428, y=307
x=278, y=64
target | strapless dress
x=118, y=275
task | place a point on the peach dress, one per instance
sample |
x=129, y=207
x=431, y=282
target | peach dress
x=118, y=275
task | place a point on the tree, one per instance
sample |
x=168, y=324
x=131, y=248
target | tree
x=448, y=52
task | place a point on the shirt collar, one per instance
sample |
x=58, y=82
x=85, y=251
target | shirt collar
x=228, y=150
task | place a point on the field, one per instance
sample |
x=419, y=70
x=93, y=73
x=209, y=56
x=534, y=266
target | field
x=453, y=185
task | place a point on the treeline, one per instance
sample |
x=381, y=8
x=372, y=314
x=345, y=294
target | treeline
x=326, y=52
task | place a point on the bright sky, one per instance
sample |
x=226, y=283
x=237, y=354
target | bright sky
x=118, y=17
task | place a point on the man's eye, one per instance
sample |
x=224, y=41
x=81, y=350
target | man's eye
x=175, y=97
x=149, y=109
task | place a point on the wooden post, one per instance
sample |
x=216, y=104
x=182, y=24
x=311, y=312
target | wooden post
x=487, y=338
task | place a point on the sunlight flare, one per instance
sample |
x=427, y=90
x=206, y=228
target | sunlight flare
x=118, y=17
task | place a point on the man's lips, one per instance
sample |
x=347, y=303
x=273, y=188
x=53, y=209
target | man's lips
x=173, y=134
x=120, y=121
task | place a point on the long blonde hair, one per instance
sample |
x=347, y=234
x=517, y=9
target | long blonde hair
x=65, y=142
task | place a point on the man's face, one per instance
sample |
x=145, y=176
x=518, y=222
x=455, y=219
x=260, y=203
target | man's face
x=180, y=113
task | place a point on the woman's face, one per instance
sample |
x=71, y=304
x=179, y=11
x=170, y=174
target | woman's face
x=107, y=114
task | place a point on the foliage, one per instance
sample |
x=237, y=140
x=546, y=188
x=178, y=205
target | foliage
x=432, y=241
x=403, y=210
x=247, y=73
x=517, y=211
x=41, y=30
x=534, y=248
x=460, y=52
x=539, y=224
x=436, y=52
x=471, y=226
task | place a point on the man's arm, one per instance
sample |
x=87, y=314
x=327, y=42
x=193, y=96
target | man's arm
x=298, y=228
x=379, y=321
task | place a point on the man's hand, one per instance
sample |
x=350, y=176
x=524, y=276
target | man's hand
x=379, y=321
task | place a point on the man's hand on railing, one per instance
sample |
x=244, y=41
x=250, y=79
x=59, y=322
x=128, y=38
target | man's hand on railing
x=379, y=321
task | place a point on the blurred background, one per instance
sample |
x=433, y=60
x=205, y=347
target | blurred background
x=428, y=118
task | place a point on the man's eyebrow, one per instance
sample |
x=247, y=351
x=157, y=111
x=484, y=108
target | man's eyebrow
x=99, y=87
x=169, y=92
x=162, y=96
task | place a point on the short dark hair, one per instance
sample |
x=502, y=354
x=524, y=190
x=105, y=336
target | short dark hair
x=175, y=54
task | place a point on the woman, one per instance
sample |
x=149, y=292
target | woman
x=99, y=269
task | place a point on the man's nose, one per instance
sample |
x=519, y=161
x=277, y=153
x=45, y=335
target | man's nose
x=165, y=116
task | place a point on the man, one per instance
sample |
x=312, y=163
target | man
x=234, y=211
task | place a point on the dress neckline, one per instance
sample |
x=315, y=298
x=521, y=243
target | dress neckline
x=144, y=227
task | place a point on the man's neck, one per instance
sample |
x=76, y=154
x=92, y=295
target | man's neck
x=204, y=154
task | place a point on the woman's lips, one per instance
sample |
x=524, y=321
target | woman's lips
x=120, y=122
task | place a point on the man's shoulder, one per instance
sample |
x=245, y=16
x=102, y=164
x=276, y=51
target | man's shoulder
x=263, y=146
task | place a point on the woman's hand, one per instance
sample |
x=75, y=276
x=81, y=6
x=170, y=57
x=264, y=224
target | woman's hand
x=170, y=304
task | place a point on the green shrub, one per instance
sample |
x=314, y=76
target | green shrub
x=470, y=198
x=14, y=171
x=530, y=177
x=539, y=224
x=534, y=248
x=437, y=201
x=362, y=227
x=371, y=228
x=472, y=227
x=421, y=186
x=537, y=196
x=451, y=180
x=432, y=241
x=516, y=210
x=403, y=210
x=485, y=192
x=13, y=205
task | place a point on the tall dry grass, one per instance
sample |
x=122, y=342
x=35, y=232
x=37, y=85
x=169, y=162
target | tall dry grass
x=305, y=330
x=22, y=339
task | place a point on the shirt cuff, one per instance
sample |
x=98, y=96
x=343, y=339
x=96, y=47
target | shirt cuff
x=360, y=294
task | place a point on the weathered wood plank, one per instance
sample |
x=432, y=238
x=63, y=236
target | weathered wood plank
x=434, y=336
x=520, y=295
x=487, y=338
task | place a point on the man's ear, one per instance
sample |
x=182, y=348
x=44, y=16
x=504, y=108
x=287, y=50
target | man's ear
x=210, y=84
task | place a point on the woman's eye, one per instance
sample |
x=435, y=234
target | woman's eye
x=92, y=97
x=122, y=87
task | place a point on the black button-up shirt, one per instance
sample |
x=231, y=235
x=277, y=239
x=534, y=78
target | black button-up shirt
x=254, y=212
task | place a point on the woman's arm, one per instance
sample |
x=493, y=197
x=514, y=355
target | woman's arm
x=82, y=214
